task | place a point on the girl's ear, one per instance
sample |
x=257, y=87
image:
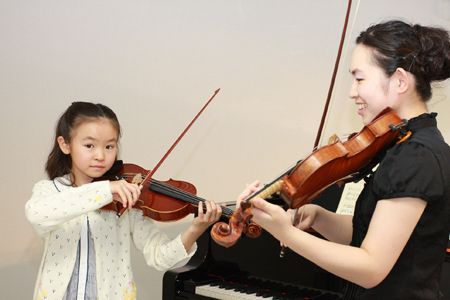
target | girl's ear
x=65, y=148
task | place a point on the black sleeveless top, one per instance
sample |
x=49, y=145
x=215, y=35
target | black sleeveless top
x=419, y=168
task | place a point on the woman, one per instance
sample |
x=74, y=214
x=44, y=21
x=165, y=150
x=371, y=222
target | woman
x=394, y=245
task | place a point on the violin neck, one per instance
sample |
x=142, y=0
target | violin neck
x=181, y=195
x=267, y=191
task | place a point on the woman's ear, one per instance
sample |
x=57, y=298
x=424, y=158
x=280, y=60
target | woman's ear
x=403, y=80
x=65, y=147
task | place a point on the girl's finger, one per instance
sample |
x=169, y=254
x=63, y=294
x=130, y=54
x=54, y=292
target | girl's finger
x=122, y=197
x=200, y=209
x=128, y=195
x=136, y=192
x=209, y=211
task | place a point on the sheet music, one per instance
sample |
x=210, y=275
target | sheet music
x=348, y=198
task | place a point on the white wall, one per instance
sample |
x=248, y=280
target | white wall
x=155, y=63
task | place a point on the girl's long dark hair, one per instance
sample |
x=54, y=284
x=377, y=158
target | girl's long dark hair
x=423, y=51
x=58, y=163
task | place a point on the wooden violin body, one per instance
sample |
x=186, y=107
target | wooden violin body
x=157, y=206
x=322, y=168
x=169, y=200
x=335, y=162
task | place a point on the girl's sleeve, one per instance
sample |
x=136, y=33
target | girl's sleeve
x=48, y=208
x=159, y=250
x=410, y=170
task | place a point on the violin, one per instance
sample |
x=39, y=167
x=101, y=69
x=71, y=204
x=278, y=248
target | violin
x=322, y=168
x=158, y=206
x=169, y=200
x=163, y=201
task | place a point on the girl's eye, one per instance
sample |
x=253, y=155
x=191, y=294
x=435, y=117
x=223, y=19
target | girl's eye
x=110, y=147
x=89, y=146
x=359, y=79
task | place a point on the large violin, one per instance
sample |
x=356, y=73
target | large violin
x=322, y=168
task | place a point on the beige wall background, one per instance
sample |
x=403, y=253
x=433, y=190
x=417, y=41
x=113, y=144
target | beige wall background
x=155, y=63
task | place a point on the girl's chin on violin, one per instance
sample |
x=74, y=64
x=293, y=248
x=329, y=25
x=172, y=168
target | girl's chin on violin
x=96, y=171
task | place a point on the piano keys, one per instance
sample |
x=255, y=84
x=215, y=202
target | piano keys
x=255, y=288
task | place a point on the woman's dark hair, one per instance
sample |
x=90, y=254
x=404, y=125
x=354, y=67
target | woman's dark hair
x=58, y=163
x=420, y=50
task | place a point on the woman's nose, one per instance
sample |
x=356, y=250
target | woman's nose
x=353, y=93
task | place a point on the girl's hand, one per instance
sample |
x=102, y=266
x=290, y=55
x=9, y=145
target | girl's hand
x=125, y=192
x=206, y=218
x=249, y=190
x=200, y=223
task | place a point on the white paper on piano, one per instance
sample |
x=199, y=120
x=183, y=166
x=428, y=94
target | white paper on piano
x=348, y=198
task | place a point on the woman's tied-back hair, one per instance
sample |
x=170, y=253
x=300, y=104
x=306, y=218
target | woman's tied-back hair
x=58, y=163
x=420, y=50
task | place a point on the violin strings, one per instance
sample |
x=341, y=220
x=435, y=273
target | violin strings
x=180, y=193
x=185, y=196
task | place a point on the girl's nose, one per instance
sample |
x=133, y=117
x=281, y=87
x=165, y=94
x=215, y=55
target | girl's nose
x=99, y=155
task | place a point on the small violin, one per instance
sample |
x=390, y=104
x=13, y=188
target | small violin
x=322, y=168
x=175, y=199
x=163, y=201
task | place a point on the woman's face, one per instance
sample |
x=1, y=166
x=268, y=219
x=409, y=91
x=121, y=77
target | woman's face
x=371, y=89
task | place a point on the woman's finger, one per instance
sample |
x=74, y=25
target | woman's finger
x=249, y=190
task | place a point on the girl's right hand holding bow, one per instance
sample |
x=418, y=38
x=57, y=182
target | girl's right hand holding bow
x=125, y=192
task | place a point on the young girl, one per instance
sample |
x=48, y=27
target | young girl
x=87, y=250
x=394, y=245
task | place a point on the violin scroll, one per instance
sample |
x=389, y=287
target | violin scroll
x=227, y=235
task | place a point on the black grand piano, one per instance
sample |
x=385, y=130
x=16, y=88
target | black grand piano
x=253, y=269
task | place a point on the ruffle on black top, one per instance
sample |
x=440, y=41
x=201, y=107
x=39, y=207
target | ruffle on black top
x=410, y=169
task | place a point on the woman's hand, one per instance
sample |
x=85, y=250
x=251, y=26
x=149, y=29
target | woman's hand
x=271, y=217
x=249, y=190
x=304, y=217
x=125, y=192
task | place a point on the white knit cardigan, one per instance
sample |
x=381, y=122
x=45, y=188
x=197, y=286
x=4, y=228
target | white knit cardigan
x=56, y=210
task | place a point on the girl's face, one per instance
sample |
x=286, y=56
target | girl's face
x=93, y=149
x=371, y=89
